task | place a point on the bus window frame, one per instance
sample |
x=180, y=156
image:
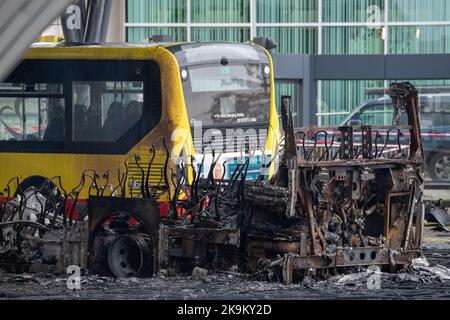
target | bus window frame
x=146, y=71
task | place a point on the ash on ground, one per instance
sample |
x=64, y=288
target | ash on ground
x=427, y=278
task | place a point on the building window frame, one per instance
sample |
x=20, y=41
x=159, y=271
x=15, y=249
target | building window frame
x=254, y=25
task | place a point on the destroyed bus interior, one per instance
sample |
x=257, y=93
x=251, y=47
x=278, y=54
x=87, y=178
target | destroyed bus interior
x=434, y=104
x=339, y=198
x=93, y=107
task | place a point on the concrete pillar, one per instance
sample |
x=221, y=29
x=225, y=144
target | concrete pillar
x=116, y=29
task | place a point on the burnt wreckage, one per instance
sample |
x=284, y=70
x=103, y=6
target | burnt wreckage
x=341, y=197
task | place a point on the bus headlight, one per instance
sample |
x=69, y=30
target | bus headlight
x=266, y=71
x=184, y=74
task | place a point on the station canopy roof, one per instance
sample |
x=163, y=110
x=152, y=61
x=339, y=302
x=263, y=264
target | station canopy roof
x=21, y=23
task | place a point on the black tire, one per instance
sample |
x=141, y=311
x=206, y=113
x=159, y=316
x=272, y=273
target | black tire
x=439, y=167
x=37, y=182
x=99, y=248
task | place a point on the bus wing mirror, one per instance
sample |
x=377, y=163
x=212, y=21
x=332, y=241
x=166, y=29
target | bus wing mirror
x=266, y=42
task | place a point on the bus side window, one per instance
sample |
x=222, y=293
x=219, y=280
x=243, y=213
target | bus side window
x=114, y=108
x=55, y=127
x=93, y=128
x=31, y=112
x=133, y=113
x=79, y=121
x=10, y=120
x=114, y=121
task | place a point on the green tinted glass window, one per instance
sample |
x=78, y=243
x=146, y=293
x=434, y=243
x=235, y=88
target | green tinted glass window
x=377, y=115
x=156, y=11
x=220, y=34
x=419, y=39
x=286, y=88
x=272, y=11
x=419, y=10
x=352, y=40
x=338, y=98
x=139, y=34
x=220, y=11
x=353, y=10
x=292, y=40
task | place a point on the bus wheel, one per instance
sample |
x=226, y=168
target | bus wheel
x=122, y=245
x=36, y=198
x=37, y=182
x=440, y=167
x=131, y=255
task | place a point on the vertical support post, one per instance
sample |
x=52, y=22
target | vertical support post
x=366, y=132
x=346, y=142
x=188, y=20
x=116, y=29
x=419, y=225
x=303, y=244
x=319, y=31
x=386, y=27
x=290, y=155
x=97, y=21
x=406, y=95
x=252, y=19
x=288, y=127
x=288, y=267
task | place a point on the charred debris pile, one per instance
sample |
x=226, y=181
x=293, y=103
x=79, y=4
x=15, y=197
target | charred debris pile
x=339, y=198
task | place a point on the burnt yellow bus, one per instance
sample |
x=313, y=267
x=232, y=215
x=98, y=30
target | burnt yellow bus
x=70, y=110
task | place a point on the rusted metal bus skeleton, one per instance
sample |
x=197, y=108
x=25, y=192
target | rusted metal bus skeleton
x=353, y=206
x=342, y=197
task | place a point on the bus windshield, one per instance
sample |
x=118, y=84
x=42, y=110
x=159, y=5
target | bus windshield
x=227, y=94
x=225, y=84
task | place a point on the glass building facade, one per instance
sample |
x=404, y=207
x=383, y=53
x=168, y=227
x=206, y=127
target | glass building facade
x=305, y=27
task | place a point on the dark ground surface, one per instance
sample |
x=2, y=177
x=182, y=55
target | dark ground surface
x=234, y=286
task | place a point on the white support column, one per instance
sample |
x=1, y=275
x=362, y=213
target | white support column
x=319, y=30
x=117, y=26
x=188, y=20
x=252, y=19
x=386, y=27
x=319, y=51
x=386, y=36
